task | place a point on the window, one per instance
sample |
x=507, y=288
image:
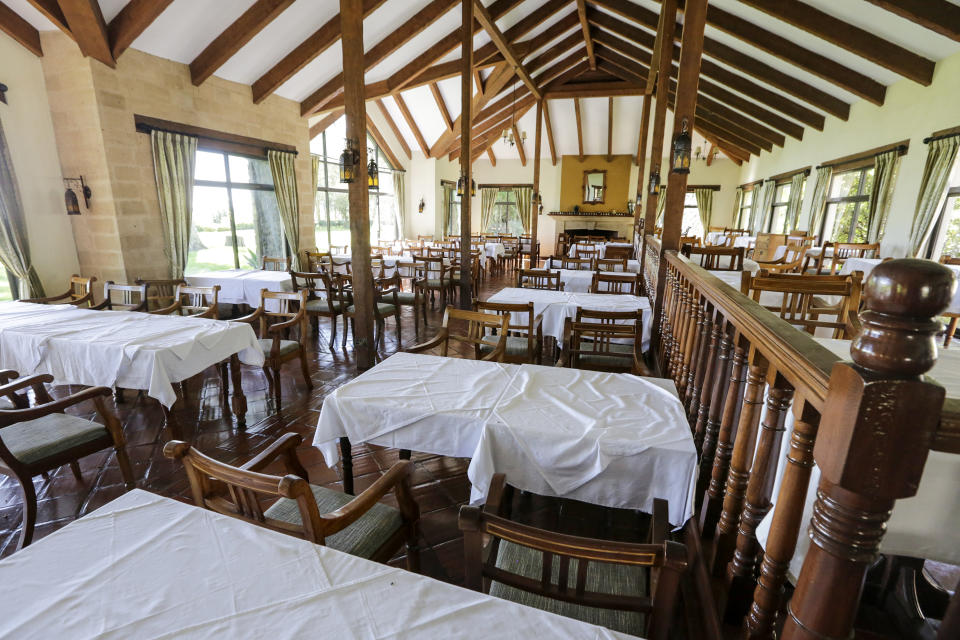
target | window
x=847, y=216
x=453, y=209
x=332, y=208
x=746, y=207
x=778, y=210
x=691, y=224
x=235, y=217
x=945, y=236
x=505, y=218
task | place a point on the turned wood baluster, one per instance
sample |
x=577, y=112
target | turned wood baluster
x=878, y=421
x=720, y=378
x=708, y=377
x=785, y=527
x=713, y=500
x=671, y=291
x=676, y=326
x=680, y=344
x=704, y=345
x=695, y=354
x=742, y=568
x=690, y=341
x=739, y=474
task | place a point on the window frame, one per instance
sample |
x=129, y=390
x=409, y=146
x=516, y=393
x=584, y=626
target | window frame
x=778, y=204
x=861, y=199
x=934, y=249
x=746, y=208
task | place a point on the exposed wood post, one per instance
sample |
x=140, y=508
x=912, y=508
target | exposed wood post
x=466, y=159
x=576, y=109
x=535, y=214
x=610, y=129
x=351, y=26
x=642, y=161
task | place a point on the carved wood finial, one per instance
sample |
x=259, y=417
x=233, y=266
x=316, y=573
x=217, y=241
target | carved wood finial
x=902, y=299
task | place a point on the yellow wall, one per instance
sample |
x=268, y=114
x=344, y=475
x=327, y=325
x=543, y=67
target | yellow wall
x=619, y=189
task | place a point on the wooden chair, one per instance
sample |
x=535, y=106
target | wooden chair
x=435, y=278
x=80, y=293
x=321, y=301
x=275, y=264
x=424, y=240
x=539, y=279
x=576, y=264
x=358, y=525
x=790, y=262
x=525, y=331
x=511, y=254
x=312, y=260
x=834, y=254
x=278, y=350
x=386, y=303
x=340, y=249
x=415, y=298
x=693, y=241
x=619, y=283
x=161, y=292
x=604, y=341
x=36, y=440
x=618, y=253
x=530, y=250
x=610, y=264
x=711, y=258
x=954, y=317
x=800, y=299
x=586, y=252
x=194, y=302
x=481, y=330
x=133, y=297
x=603, y=582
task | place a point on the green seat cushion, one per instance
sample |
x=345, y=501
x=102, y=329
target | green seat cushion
x=516, y=346
x=45, y=437
x=363, y=538
x=286, y=346
x=435, y=283
x=602, y=577
x=603, y=360
x=405, y=297
x=383, y=309
x=322, y=306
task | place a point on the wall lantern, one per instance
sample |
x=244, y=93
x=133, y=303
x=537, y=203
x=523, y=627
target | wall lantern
x=631, y=206
x=460, y=186
x=421, y=206
x=655, y=181
x=373, y=177
x=681, y=149
x=70, y=195
x=349, y=160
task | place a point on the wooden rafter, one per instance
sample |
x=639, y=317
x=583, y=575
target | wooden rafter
x=585, y=26
x=603, y=89
x=327, y=120
x=710, y=154
x=493, y=158
x=526, y=24
x=133, y=20
x=89, y=29
x=501, y=75
x=576, y=108
x=20, y=30
x=408, y=117
x=240, y=32
x=642, y=137
x=549, y=128
x=441, y=106
x=610, y=129
x=937, y=15
x=477, y=81
x=384, y=146
x=490, y=25
x=393, y=127
x=51, y=11
x=379, y=52
x=850, y=37
x=519, y=142
x=318, y=42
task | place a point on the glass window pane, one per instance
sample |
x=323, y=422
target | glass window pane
x=246, y=170
x=211, y=244
x=321, y=222
x=388, y=218
x=257, y=220
x=335, y=135
x=333, y=176
x=691, y=225
x=209, y=166
x=845, y=184
x=844, y=220
x=339, y=219
x=951, y=244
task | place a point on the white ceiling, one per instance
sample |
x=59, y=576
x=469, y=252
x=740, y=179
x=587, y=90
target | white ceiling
x=187, y=26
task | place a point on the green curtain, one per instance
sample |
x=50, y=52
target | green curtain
x=758, y=218
x=174, y=156
x=14, y=248
x=315, y=161
x=796, y=199
x=818, y=204
x=445, y=210
x=885, y=168
x=704, y=207
x=737, y=199
x=400, y=198
x=524, y=202
x=661, y=205
x=488, y=196
x=933, y=189
x=288, y=199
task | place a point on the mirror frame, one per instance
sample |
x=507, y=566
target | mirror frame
x=586, y=173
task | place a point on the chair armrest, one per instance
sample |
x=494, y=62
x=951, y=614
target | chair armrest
x=286, y=445
x=6, y=375
x=496, y=494
x=47, y=299
x=396, y=479
x=432, y=343
x=175, y=307
x=251, y=317
x=35, y=382
x=278, y=328
x=103, y=305
x=212, y=313
x=13, y=416
x=498, y=352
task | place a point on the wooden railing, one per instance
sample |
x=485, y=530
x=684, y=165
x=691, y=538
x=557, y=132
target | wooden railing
x=869, y=425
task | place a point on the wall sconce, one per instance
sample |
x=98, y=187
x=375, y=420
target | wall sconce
x=348, y=162
x=70, y=195
x=655, y=181
x=681, y=150
x=421, y=206
x=631, y=206
x=538, y=201
x=373, y=175
x=461, y=182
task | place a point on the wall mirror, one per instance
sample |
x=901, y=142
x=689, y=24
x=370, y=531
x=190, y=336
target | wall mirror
x=594, y=186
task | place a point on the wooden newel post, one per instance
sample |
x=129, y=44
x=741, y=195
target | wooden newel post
x=877, y=426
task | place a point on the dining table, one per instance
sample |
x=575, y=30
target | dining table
x=633, y=266
x=602, y=246
x=242, y=286
x=866, y=266
x=611, y=439
x=580, y=281
x=146, y=566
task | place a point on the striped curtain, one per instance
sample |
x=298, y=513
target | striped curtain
x=737, y=199
x=288, y=199
x=14, y=248
x=885, y=167
x=174, y=157
x=941, y=156
x=704, y=207
x=797, y=183
x=761, y=209
x=821, y=189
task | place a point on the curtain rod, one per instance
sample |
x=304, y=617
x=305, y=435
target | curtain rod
x=900, y=148
x=941, y=137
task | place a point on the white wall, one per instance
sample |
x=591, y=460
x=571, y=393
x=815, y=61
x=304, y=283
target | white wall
x=28, y=127
x=910, y=111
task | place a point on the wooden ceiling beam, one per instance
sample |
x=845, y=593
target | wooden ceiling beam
x=51, y=11
x=595, y=89
x=481, y=142
x=490, y=25
x=327, y=120
x=493, y=158
x=441, y=106
x=486, y=122
x=318, y=42
x=939, y=16
x=585, y=26
x=379, y=52
x=576, y=109
x=477, y=81
x=526, y=24
x=736, y=155
x=20, y=30
x=610, y=129
x=501, y=75
x=745, y=148
x=133, y=20
x=850, y=37
x=549, y=128
x=240, y=32
x=393, y=127
x=551, y=33
x=517, y=140
x=382, y=142
x=89, y=29
x=408, y=117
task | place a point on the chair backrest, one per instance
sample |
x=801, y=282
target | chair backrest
x=520, y=317
x=539, y=279
x=691, y=240
x=432, y=268
x=619, y=283
x=804, y=300
x=198, y=300
x=81, y=288
x=275, y=264
x=626, y=253
x=160, y=293
x=377, y=265
x=281, y=306
x=576, y=264
x=949, y=260
x=712, y=258
x=589, y=251
x=435, y=252
x=736, y=232
x=424, y=238
x=316, y=285
x=132, y=297
x=340, y=249
x=611, y=264
x=478, y=329
x=566, y=561
x=603, y=333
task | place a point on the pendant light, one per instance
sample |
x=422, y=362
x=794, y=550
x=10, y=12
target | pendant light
x=681, y=149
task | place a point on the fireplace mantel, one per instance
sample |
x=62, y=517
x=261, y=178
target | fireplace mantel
x=622, y=223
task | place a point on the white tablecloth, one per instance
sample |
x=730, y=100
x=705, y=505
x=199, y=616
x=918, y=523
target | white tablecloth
x=554, y=263
x=118, y=348
x=494, y=250
x=144, y=566
x=242, y=286
x=719, y=237
x=602, y=246
x=611, y=439
x=580, y=281
x=866, y=265
x=924, y=526
x=557, y=306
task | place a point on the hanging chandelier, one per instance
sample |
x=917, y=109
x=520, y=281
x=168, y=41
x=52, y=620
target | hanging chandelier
x=508, y=137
